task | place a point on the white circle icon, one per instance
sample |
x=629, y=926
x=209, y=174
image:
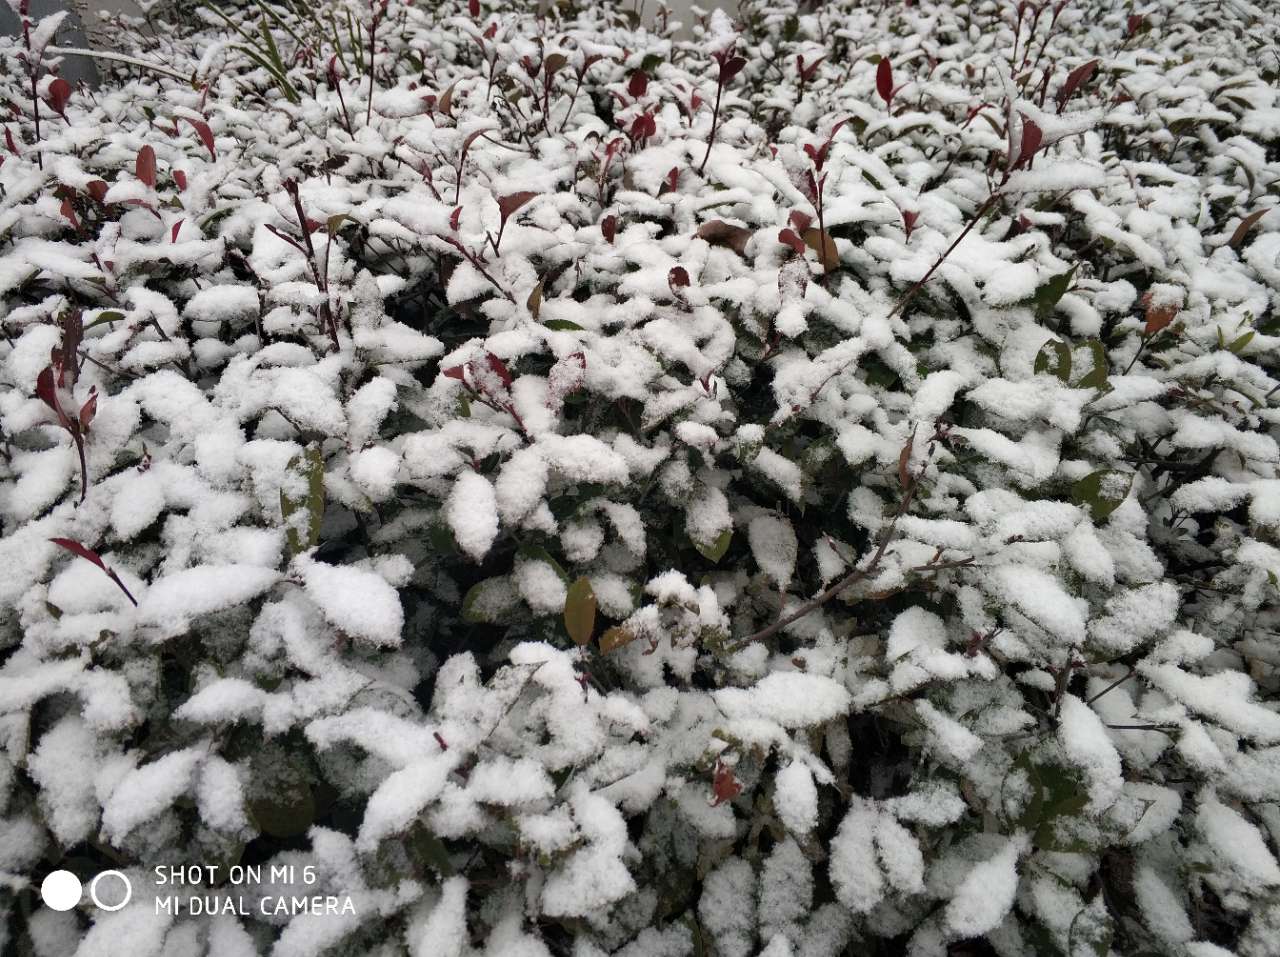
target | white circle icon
x=61, y=890
x=93, y=891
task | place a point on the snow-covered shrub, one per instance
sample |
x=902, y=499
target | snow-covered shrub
x=569, y=485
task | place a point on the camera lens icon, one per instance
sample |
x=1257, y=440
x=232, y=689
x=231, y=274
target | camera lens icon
x=124, y=899
x=62, y=890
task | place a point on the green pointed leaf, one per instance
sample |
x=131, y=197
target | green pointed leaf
x=299, y=539
x=580, y=611
x=1096, y=378
x=1102, y=492
x=1238, y=345
x=490, y=601
x=110, y=315
x=1048, y=295
x=562, y=325
x=1054, y=358
x=715, y=551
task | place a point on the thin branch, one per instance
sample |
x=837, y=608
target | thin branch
x=914, y=290
x=1111, y=687
x=858, y=574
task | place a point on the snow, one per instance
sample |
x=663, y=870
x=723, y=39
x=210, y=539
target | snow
x=774, y=547
x=858, y=881
x=143, y=794
x=173, y=601
x=63, y=765
x=985, y=896
x=472, y=512
x=1237, y=841
x=359, y=602
x=947, y=735
x=1086, y=745
x=790, y=698
x=796, y=798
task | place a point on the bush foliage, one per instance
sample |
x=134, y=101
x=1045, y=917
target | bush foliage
x=796, y=485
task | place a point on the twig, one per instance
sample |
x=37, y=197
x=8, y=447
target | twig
x=1111, y=687
x=914, y=290
x=858, y=574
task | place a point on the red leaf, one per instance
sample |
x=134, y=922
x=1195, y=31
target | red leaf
x=179, y=177
x=144, y=166
x=206, y=136
x=673, y=178
x=609, y=228
x=499, y=367
x=789, y=238
x=454, y=372
x=97, y=190
x=807, y=72
x=1158, y=317
x=909, y=219
x=638, y=84
x=1134, y=23
x=491, y=31
x=89, y=409
x=173, y=233
x=724, y=786
x=884, y=80
x=47, y=392
x=69, y=211
x=89, y=555
x=677, y=278
x=719, y=233
x=1075, y=79
x=59, y=95
x=507, y=205
x=454, y=218
x=731, y=68
x=474, y=7
x=644, y=126
x=1032, y=136
x=801, y=221
x=75, y=548
x=904, y=461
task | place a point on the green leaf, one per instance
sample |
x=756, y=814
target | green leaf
x=715, y=551
x=563, y=325
x=1240, y=343
x=1054, y=358
x=311, y=464
x=281, y=798
x=1048, y=295
x=1096, y=378
x=110, y=315
x=489, y=601
x=1102, y=492
x=1055, y=793
x=580, y=611
x=430, y=850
